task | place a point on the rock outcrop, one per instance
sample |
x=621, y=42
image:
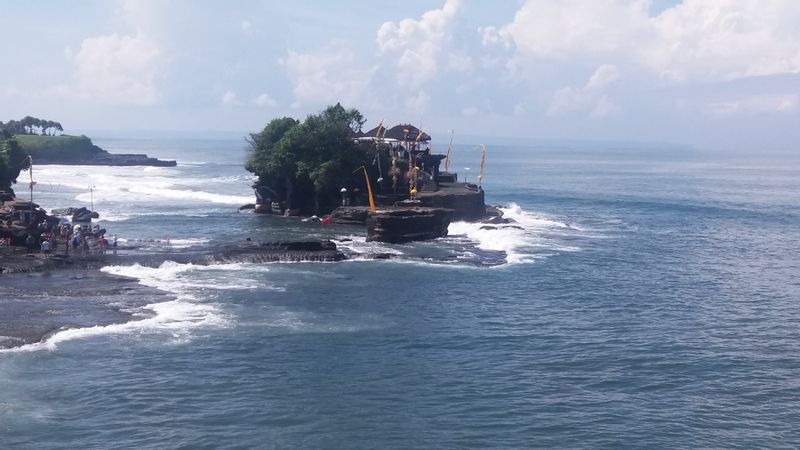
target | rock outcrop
x=292, y=251
x=350, y=215
x=408, y=224
x=80, y=214
x=122, y=159
x=79, y=150
x=466, y=200
x=16, y=261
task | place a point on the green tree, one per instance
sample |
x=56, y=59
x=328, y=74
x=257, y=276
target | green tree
x=12, y=160
x=307, y=163
x=274, y=164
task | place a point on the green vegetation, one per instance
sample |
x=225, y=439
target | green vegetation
x=61, y=148
x=305, y=164
x=12, y=160
x=32, y=125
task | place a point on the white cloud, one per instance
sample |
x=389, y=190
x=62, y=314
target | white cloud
x=491, y=36
x=417, y=45
x=329, y=75
x=603, y=76
x=603, y=108
x=265, y=100
x=117, y=69
x=589, y=98
x=418, y=104
x=459, y=62
x=556, y=30
x=754, y=105
x=247, y=27
x=695, y=40
x=725, y=40
x=229, y=98
x=470, y=111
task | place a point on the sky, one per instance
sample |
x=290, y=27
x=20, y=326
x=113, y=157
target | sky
x=711, y=73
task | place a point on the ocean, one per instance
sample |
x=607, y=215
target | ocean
x=647, y=297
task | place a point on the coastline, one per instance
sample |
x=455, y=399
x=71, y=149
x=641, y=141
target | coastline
x=38, y=305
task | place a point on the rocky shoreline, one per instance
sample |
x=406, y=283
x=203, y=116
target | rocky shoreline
x=111, y=159
x=17, y=260
x=79, y=150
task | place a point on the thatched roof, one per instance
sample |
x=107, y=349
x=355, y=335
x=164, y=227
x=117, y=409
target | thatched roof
x=374, y=132
x=402, y=132
x=405, y=132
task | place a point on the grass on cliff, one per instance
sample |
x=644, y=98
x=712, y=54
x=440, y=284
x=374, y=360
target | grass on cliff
x=62, y=147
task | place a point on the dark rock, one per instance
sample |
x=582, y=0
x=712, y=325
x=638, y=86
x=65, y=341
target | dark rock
x=247, y=207
x=488, y=227
x=382, y=256
x=466, y=201
x=290, y=251
x=350, y=215
x=408, y=224
x=493, y=211
x=109, y=159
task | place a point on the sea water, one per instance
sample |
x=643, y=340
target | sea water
x=648, y=296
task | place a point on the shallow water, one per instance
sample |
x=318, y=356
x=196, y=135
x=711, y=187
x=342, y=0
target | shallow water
x=651, y=299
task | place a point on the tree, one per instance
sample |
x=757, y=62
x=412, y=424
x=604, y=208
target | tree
x=12, y=160
x=307, y=163
x=32, y=125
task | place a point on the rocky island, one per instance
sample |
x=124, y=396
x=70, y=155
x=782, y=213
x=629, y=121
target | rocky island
x=387, y=179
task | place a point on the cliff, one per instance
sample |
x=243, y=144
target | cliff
x=79, y=150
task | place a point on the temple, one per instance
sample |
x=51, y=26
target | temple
x=415, y=199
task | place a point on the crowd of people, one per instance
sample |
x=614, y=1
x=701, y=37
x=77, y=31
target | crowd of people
x=76, y=240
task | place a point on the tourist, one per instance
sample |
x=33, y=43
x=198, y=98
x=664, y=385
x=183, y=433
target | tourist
x=76, y=242
x=30, y=243
x=46, y=248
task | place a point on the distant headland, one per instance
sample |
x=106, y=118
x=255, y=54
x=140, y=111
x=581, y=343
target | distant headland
x=44, y=141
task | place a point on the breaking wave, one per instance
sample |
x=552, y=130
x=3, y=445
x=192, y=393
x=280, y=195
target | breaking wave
x=190, y=286
x=526, y=238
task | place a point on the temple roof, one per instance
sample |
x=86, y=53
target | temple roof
x=402, y=132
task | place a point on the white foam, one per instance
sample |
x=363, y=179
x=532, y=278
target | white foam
x=157, y=192
x=522, y=240
x=359, y=245
x=126, y=185
x=177, y=318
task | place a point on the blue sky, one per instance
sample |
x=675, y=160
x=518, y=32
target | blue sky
x=714, y=73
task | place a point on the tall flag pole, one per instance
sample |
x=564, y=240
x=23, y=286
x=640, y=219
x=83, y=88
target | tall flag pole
x=369, y=188
x=378, y=141
x=32, y=183
x=449, y=148
x=483, y=160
